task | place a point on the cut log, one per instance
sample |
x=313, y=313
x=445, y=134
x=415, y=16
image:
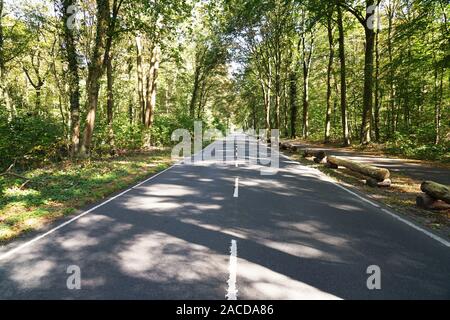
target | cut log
x=321, y=161
x=331, y=165
x=436, y=190
x=424, y=201
x=319, y=154
x=285, y=146
x=380, y=174
x=371, y=182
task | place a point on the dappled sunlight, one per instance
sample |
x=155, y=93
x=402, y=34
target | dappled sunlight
x=259, y=282
x=319, y=231
x=27, y=278
x=147, y=203
x=298, y=250
x=345, y=208
x=232, y=232
x=166, y=189
x=93, y=219
x=77, y=240
x=161, y=257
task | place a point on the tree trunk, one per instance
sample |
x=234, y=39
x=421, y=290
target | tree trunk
x=4, y=91
x=201, y=100
x=277, y=91
x=424, y=201
x=307, y=58
x=377, y=91
x=368, y=84
x=194, y=93
x=344, y=116
x=380, y=174
x=151, y=88
x=95, y=72
x=329, y=74
x=254, y=115
x=436, y=190
x=293, y=101
x=266, y=94
x=318, y=154
x=37, y=84
x=437, y=106
x=390, y=14
x=285, y=107
x=130, y=96
x=371, y=182
x=110, y=102
x=140, y=77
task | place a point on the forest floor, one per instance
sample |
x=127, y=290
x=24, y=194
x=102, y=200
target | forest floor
x=406, y=176
x=60, y=189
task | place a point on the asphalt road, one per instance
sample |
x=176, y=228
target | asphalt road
x=296, y=236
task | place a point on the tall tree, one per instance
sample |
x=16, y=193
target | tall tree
x=95, y=72
x=306, y=47
x=370, y=25
x=329, y=75
x=343, y=79
x=105, y=33
x=73, y=78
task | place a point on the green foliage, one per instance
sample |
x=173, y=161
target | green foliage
x=164, y=125
x=410, y=146
x=30, y=139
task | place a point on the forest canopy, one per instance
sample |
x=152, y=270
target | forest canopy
x=101, y=77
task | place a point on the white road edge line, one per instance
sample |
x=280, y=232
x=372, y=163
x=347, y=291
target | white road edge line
x=236, y=188
x=396, y=216
x=232, y=268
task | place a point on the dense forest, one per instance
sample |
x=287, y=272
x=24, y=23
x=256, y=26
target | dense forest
x=101, y=77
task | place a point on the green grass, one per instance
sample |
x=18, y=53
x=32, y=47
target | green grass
x=60, y=189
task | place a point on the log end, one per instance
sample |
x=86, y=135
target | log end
x=331, y=165
x=371, y=182
x=424, y=201
x=321, y=161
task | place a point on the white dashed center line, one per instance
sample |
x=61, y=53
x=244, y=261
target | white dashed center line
x=232, y=267
x=236, y=188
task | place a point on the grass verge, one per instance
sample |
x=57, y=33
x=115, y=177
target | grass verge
x=401, y=196
x=60, y=189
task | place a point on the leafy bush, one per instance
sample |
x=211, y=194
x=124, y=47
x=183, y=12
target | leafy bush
x=409, y=146
x=30, y=139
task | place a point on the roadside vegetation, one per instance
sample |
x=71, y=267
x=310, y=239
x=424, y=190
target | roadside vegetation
x=42, y=195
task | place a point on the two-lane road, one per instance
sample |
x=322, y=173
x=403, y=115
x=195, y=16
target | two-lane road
x=296, y=236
